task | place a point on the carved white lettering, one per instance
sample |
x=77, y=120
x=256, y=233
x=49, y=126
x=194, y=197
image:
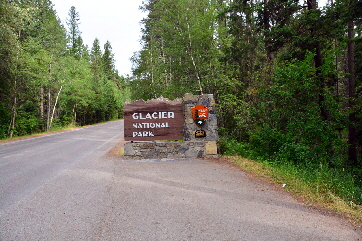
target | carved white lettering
x=150, y=125
x=142, y=134
x=154, y=115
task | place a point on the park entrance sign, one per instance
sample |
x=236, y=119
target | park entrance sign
x=157, y=119
x=153, y=129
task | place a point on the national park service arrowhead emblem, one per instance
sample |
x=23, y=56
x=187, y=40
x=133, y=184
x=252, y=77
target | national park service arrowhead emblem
x=200, y=113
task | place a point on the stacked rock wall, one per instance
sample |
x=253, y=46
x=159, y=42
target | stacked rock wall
x=192, y=146
x=210, y=126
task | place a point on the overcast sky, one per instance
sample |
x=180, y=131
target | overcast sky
x=117, y=21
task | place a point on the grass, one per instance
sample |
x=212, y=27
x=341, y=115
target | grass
x=121, y=152
x=318, y=188
x=55, y=129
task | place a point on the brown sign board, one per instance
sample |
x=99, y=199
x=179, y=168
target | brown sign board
x=156, y=119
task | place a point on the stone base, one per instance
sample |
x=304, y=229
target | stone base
x=171, y=149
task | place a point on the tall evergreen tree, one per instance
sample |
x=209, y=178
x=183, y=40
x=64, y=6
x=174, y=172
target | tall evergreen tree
x=74, y=34
x=108, y=62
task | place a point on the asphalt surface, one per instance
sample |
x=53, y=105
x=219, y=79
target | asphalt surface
x=66, y=186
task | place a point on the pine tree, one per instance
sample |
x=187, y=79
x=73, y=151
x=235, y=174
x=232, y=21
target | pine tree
x=74, y=34
x=108, y=62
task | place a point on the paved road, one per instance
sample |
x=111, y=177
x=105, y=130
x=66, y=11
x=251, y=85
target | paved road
x=65, y=186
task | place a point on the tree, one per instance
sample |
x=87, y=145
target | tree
x=351, y=16
x=74, y=34
x=96, y=59
x=9, y=52
x=108, y=61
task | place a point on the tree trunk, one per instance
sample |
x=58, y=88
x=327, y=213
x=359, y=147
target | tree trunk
x=55, y=104
x=74, y=114
x=352, y=142
x=41, y=107
x=13, y=111
x=318, y=62
x=266, y=26
x=193, y=61
x=48, y=109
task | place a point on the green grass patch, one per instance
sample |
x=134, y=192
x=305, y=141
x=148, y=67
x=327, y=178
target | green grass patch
x=121, y=152
x=53, y=129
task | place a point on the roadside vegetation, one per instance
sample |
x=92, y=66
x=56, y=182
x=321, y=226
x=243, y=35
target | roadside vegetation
x=52, y=130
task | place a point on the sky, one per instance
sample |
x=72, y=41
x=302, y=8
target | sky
x=117, y=21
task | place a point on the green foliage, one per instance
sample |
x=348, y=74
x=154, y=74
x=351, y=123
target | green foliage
x=27, y=120
x=4, y=121
x=323, y=180
x=234, y=117
x=179, y=54
x=233, y=147
x=290, y=124
x=74, y=34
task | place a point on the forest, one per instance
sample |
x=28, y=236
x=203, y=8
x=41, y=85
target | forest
x=48, y=77
x=286, y=76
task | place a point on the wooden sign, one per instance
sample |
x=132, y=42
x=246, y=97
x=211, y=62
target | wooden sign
x=200, y=113
x=156, y=119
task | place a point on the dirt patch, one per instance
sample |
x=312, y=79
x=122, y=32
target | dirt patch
x=115, y=151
